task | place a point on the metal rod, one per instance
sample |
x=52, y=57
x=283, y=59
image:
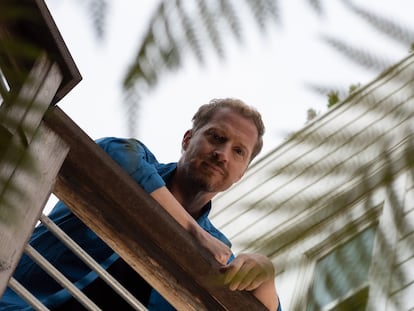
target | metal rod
x=20, y=290
x=60, y=278
x=87, y=259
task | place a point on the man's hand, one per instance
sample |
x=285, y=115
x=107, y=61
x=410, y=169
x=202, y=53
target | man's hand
x=218, y=249
x=247, y=272
x=252, y=272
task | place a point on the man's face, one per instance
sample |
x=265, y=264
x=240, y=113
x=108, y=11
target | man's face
x=217, y=155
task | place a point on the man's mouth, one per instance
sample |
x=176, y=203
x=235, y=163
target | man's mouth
x=215, y=167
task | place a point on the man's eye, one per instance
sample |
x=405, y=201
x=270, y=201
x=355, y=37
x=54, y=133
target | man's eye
x=217, y=137
x=239, y=151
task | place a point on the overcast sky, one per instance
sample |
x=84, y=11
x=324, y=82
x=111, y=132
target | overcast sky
x=269, y=71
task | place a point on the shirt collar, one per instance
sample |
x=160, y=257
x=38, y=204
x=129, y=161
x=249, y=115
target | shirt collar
x=166, y=171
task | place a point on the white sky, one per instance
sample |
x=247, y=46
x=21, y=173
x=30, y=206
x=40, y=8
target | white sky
x=268, y=71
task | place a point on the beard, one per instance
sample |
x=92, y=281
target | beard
x=200, y=177
x=199, y=180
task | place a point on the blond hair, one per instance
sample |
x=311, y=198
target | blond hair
x=207, y=111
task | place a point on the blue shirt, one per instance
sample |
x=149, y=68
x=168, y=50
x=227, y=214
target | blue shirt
x=143, y=167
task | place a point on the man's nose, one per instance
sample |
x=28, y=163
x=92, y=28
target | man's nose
x=221, y=154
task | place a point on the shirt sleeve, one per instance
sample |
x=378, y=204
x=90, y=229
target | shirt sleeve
x=279, y=307
x=136, y=160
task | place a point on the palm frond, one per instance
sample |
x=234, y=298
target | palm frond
x=316, y=6
x=359, y=56
x=389, y=27
x=231, y=18
x=264, y=12
x=325, y=90
x=191, y=36
x=98, y=12
x=210, y=23
x=182, y=28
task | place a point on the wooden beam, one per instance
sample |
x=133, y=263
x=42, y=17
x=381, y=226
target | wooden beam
x=112, y=204
x=20, y=117
x=24, y=196
x=29, y=23
x=30, y=160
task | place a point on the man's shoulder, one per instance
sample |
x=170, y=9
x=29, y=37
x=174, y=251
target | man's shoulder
x=120, y=144
x=117, y=141
x=133, y=155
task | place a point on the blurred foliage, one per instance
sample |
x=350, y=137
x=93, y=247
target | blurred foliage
x=202, y=28
x=98, y=12
x=178, y=29
x=333, y=98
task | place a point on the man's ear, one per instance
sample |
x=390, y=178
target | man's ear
x=186, y=139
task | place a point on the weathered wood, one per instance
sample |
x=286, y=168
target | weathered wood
x=21, y=117
x=56, y=47
x=29, y=23
x=25, y=195
x=30, y=160
x=102, y=195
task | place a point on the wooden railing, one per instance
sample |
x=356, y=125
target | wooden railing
x=43, y=151
x=31, y=157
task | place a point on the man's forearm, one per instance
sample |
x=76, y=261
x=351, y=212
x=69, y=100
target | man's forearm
x=266, y=294
x=165, y=198
x=219, y=250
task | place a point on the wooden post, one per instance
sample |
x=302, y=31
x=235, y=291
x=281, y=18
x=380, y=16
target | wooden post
x=30, y=162
x=25, y=195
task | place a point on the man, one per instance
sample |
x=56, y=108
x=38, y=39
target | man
x=225, y=137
